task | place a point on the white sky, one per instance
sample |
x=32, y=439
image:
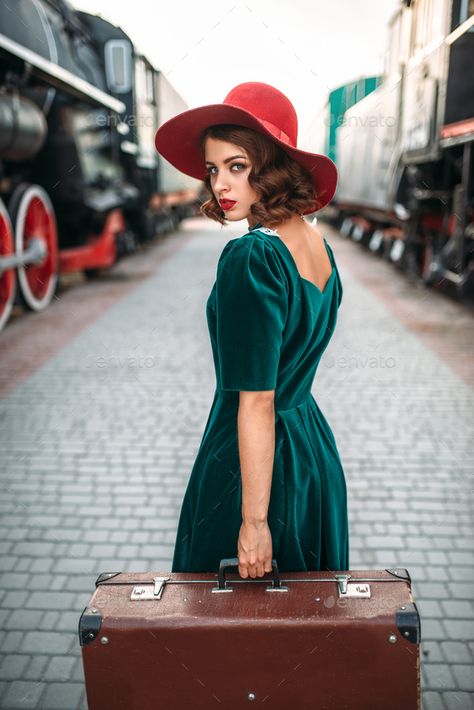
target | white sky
x=305, y=48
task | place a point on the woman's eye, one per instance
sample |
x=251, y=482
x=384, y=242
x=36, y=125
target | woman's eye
x=210, y=170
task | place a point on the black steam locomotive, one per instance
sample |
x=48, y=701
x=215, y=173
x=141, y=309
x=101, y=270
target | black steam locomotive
x=80, y=181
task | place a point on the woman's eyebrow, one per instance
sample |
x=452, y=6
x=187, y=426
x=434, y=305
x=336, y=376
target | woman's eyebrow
x=227, y=160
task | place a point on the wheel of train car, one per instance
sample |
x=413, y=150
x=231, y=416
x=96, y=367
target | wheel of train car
x=7, y=277
x=357, y=233
x=397, y=253
x=428, y=268
x=34, y=225
x=376, y=241
x=346, y=227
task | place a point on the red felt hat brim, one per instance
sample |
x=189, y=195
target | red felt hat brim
x=178, y=140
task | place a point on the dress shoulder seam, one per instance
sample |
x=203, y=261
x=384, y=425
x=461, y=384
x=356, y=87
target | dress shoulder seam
x=247, y=241
x=262, y=233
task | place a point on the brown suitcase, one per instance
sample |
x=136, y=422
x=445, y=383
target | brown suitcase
x=296, y=641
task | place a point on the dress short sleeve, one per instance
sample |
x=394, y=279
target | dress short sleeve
x=251, y=310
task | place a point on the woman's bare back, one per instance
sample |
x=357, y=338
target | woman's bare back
x=306, y=245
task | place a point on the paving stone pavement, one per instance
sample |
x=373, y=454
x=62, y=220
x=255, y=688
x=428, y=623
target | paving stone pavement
x=98, y=443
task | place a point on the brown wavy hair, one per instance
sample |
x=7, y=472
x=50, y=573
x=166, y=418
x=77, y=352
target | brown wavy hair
x=284, y=187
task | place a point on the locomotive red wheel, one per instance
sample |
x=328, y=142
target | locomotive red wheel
x=7, y=277
x=34, y=219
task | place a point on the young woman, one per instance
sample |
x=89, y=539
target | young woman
x=267, y=481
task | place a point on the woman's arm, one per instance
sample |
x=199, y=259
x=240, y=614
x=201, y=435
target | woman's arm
x=256, y=433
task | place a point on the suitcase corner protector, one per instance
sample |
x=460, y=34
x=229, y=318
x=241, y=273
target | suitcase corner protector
x=104, y=576
x=400, y=572
x=89, y=625
x=408, y=622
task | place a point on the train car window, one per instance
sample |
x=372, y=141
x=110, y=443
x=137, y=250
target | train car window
x=421, y=12
x=118, y=65
x=439, y=22
x=149, y=86
x=462, y=11
x=399, y=42
x=139, y=79
x=93, y=139
x=431, y=23
x=393, y=52
x=144, y=82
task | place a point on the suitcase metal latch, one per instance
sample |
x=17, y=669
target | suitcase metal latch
x=146, y=592
x=351, y=589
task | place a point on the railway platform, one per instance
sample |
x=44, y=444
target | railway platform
x=104, y=399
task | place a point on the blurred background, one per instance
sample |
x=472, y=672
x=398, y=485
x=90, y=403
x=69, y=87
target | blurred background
x=385, y=91
x=105, y=265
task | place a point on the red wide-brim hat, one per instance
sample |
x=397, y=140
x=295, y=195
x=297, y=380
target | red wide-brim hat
x=253, y=105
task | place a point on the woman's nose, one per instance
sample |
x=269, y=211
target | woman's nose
x=221, y=183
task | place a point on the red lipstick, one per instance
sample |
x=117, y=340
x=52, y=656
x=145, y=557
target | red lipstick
x=227, y=204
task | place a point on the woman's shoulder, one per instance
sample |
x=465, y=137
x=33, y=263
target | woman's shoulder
x=252, y=262
x=254, y=248
x=249, y=274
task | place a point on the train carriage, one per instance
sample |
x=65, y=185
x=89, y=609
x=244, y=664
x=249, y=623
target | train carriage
x=404, y=151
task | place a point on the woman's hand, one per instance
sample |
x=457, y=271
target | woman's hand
x=254, y=549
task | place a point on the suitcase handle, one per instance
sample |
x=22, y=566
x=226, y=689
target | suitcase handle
x=234, y=562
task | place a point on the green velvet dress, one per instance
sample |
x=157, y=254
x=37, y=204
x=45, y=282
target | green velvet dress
x=268, y=328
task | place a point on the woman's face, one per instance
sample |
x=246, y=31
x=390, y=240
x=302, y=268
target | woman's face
x=229, y=166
